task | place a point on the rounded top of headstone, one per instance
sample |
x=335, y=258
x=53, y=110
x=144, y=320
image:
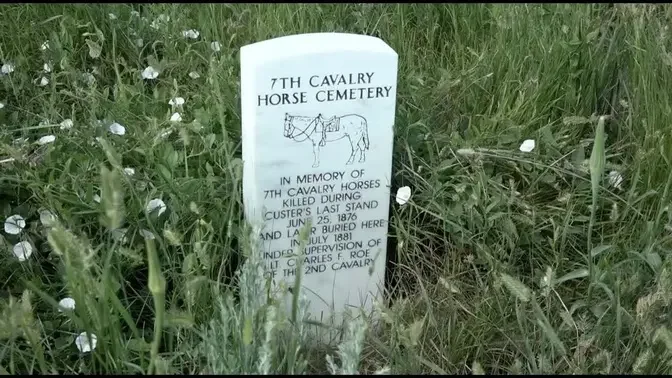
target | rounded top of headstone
x=315, y=43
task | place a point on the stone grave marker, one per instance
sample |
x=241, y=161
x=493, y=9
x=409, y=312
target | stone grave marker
x=317, y=126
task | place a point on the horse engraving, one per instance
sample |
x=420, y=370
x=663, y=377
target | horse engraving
x=319, y=131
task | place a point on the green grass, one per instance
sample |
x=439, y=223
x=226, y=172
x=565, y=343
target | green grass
x=508, y=262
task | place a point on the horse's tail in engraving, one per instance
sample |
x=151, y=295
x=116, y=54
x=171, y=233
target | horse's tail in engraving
x=365, y=135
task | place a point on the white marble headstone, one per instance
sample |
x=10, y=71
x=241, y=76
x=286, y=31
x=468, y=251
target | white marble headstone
x=317, y=126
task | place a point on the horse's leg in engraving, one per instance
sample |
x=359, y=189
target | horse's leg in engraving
x=352, y=153
x=323, y=141
x=316, y=154
x=362, y=147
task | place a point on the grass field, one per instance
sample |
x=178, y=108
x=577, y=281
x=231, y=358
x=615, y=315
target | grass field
x=555, y=260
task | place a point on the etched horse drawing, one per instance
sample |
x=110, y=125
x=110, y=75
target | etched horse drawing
x=320, y=131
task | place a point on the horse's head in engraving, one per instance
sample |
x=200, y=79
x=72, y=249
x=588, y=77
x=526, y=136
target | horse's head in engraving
x=289, y=128
x=319, y=121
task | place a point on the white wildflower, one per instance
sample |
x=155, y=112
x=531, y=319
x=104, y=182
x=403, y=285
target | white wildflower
x=66, y=124
x=112, y=16
x=403, y=195
x=85, y=343
x=615, y=179
x=528, y=145
x=194, y=75
x=45, y=45
x=215, y=46
x=146, y=234
x=2, y=105
x=117, y=129
x=88, y=78
x=22, y=250
x=156, y=205
x=66, y=304
x=177, y=101
x=14, y=224
x=382, y=371
x=150, y=73
x=191, y=33
x=613, y=216
x=47, y=67
x=465, y=152
x=120, y=235
x=43, y=81
x=564, y=198
x=46, y=139
x=7, y=68
x=47, y=218
x=160, y=20
x=139, y=42
x=129, y=171
x=176, y=117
